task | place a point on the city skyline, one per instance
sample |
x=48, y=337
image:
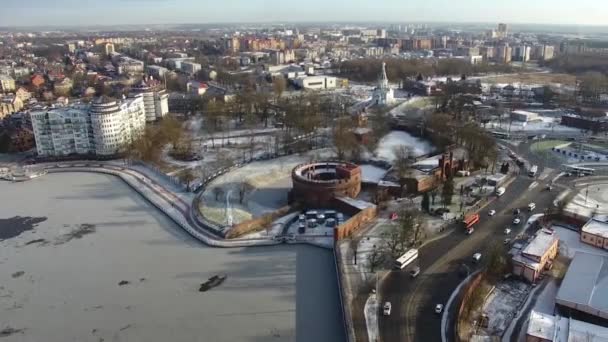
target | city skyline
x=81, y=13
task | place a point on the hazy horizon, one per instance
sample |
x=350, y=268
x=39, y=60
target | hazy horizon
x=21, y=13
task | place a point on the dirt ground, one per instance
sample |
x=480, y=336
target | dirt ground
x=533, y=78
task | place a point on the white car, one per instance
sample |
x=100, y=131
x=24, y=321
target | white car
x=506, y=241
x=492, y=212
x=387, y=308
x=438, y=308
x=507, y=231
x=476, y=257
x=517, y=220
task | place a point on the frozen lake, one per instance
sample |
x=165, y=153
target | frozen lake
x=59, y=279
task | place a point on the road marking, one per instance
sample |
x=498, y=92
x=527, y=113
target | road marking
x=546, y=172
x=533, y=185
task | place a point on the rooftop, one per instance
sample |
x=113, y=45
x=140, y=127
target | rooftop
x=540, y=244
x=596, y=226
x=541, y=325
x=585, y=286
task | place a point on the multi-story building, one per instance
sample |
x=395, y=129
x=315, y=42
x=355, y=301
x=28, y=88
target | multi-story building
x=530, y=262
x=521, y=53
x=190, y=67
x=595, y=232
x=102, y=128
x=503, y=31
x=7, y=83
x=548, y=52
x=156, y=99
x=488, y=52
x=156, y=71
x=503, y=54
x=417, y=43
x=128, y=65
x=109, y=49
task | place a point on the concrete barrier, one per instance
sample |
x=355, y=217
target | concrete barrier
x=349, y=329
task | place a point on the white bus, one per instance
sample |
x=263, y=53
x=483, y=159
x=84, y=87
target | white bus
x=533, y=171
x=406, y=258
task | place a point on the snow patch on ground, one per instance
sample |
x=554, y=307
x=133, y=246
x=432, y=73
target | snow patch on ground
x=502, y=305
x=371, y=318
x=591, y=198
x=388, y=144
x=372, y=174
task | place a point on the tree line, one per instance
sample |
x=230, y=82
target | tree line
x=368, y=70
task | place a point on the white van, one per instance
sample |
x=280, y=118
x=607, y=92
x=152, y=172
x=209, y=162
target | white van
x=500, y=191
x=531, y=206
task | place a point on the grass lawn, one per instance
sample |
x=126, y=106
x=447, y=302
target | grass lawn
x=543, y=149
x=545, y=145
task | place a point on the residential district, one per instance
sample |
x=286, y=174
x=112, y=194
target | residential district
x=457, y=175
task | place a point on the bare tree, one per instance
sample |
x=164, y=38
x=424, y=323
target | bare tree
x=279, y=85
x=375, y=258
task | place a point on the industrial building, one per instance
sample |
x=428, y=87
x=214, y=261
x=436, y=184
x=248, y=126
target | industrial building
x=316, y=82
x=584, y=290
x=548, y=328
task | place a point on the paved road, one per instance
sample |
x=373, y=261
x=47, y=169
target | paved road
x=413, y=317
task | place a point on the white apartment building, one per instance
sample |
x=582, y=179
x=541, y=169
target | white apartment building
x=7, y=83
x=190, y=67
x=156, y=101
x=101, y=128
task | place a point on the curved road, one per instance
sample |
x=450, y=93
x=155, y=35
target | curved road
x=413, y=317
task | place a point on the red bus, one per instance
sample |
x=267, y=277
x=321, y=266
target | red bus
x=469, y=221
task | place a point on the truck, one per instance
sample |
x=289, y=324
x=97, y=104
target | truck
x=469, y=221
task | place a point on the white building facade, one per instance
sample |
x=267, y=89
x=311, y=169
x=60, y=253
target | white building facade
x=103, y=128
x=383, y=94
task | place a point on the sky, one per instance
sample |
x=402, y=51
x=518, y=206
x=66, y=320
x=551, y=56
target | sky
x=115, y=12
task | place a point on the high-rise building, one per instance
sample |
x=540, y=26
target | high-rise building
x=503, y=53
x=7, y=84
x=548, y=52
x=104, y=127
x=503, y=30
x=109, y=49
x=156, y=99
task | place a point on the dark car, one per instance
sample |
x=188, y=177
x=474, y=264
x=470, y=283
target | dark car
x=516, y=211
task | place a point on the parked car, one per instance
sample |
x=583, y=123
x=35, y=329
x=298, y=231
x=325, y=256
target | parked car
x=387, y=308
x=517, y=220
x=506, y=241
x=516, y=211
x=438, y=308
x=492, y=212
x=507, y=231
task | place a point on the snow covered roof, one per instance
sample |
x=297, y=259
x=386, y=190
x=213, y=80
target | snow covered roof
x=541, y=325
x=359, y=204
x=596, y=227
x=585, y=286
x=561, y=329
x=583, y=331
x=541, y=243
